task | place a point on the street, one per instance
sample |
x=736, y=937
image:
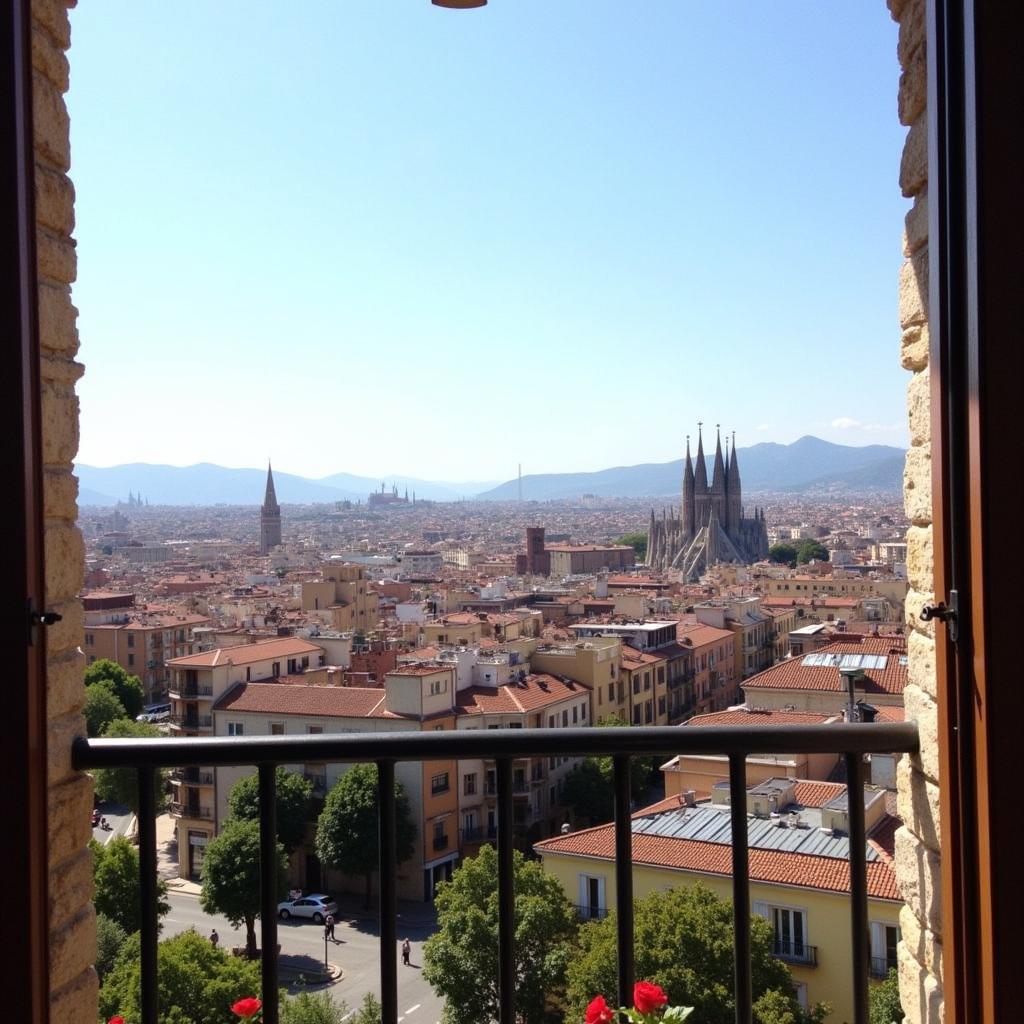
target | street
x=118, y=818
x=356, y=952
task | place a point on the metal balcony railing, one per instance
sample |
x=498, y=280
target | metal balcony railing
x=191, y=721
x=590, y=913
x=796, y=952
x=881, y=966
x=193, y=692
x=185, y=810
x=853, y=740
x=192, y=777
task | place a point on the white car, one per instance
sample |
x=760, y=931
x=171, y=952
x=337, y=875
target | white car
x=315, y=906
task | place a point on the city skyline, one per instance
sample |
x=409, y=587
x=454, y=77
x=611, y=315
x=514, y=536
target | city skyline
x=411, y=207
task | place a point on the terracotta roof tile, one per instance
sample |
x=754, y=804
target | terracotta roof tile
x=246, y=654
x=310, y=701
x=797, y=674
x=741, y=715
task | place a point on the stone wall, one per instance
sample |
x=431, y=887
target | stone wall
x=72, y=920
x=917, y=842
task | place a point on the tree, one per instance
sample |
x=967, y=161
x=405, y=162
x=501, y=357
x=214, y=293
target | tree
x=783, y=554
x=370, y=1012
x=127, y=689
x=684, y=944
x=346, y=832
x=811, y=550
x=294, y=795
x=231, y=877
x=101, y=707
x=110, y=937
x=197, y=982
x=636, y=541
x=884, y=1001
x=460, y=960
x=314, y=1008
x=115, y=875
x=121, y=785
x=588, y=791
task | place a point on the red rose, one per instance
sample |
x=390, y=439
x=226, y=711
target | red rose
x=599, y=1012
x=247, y=1007
x=647, y=997
x=116, y=1020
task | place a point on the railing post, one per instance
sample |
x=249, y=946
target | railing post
x=624, y=878
x=387, y=904
x=506, y=897
x=268, y=889
x=148, y=920
x=858, y=885
x=740, y=887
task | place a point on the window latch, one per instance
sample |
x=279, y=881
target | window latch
x=36, y=619
x=947, y=613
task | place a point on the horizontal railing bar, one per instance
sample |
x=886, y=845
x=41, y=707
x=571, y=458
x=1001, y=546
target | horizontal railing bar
x=212, y=751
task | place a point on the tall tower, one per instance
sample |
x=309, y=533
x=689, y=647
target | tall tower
x=270, y=517
x=687, y=510
x=701, y=496
x=735, y=493
x=718, y=495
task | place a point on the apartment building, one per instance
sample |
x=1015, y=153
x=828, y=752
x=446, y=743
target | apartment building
x=196, y=682
x=577, y=559
x=799, y=872
x=645, y=681
x=805, y=585
x=140, y=640
x=712, y=686
x=753, y=627
x=595, y=662
x=343, y=596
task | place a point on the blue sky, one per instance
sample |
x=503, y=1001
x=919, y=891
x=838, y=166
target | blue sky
x=389, y=238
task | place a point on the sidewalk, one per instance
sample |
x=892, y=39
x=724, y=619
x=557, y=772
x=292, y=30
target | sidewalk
x=167, y=858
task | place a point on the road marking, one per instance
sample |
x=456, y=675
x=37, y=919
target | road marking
x=412, y=1009
x=347, y=1015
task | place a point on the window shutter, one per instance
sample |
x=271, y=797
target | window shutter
x=601, y=902
x=582, y=901
x=761, y=909
x=878, y=940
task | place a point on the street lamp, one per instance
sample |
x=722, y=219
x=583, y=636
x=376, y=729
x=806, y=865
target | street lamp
x=459, y=5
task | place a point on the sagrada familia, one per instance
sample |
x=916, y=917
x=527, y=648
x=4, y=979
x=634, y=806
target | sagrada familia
x=711, y=526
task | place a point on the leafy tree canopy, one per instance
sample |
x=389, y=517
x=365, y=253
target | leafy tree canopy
x=198, y=983
x=460, y=960
x=315, y=1008
x=371, y=1012
x=115, y=874
x=110, y=937
x=811, y=550
x=684, y=944
x=101, y=707
x=231, y=877
x=294, y=796
x=120, y=785
x=636, y=541
x=884, y=1006
x=346, y=832
x=127, y=688
x=588, y=791
x=783, y=554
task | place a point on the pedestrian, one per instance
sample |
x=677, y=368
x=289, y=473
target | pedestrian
x=214, y=938
x=329, y=928
x=406, y=950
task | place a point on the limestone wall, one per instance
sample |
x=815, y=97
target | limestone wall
x=917, y=842
x=72, y=920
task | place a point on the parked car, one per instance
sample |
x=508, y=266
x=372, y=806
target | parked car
x=95, y=816
x=316, y=906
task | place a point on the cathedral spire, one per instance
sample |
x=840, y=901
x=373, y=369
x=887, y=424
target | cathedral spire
x=701, y=469
x=718, y=480
x=270, y=497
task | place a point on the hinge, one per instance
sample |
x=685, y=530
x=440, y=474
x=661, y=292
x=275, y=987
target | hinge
x=36, y=619
x=945, y=612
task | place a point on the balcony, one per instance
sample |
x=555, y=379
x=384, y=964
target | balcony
x=796, y=953
x=186, y=810
x=473, y=835
x=440, y=842
x=191, y=723
x=590, y=913
x=190, y=692
x=146, y=756
x=191, y=777
x=881, y=966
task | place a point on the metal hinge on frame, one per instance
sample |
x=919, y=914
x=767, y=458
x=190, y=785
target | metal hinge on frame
x=36, y=619
x=944, y=612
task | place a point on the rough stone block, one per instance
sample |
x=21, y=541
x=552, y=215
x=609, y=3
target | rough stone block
x=59, y=414
x=75, y=1003
x=915, y=601
x=921, y=663
x=50, y=122
x=914, y=347
x=65, y=561
x=919, y=879
x=73, y=947
x=65, y=689
x=52, y=15
x=917, y=485
x=913, y=294
x=55, y=200
x=924, y=946
x=919, y=408
x=63, y=731
x=913, y=91
x=49, y=59
x=56, y=258
x=70, y=804
x=917, y=804
x=915, y=224
x=60, y=494
x=58, y=369
x=921, y=708
x=913, y=31
x=70, y=887
x=57, y=315
x=65, y=637
x=920, y=565
x=914, y=162
x=920, y=992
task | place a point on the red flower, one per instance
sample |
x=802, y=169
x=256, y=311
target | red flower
x=599, y=1012
x=116, y=1020
x=647, y=997
x=247, y=1007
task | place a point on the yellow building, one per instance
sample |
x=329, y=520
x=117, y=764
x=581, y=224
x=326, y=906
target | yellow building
x=594, y=662
x=804, y=895
x=345, y=597
x=644, y=677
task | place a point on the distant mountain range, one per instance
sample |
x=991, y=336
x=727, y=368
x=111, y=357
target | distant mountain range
x=809, y=465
